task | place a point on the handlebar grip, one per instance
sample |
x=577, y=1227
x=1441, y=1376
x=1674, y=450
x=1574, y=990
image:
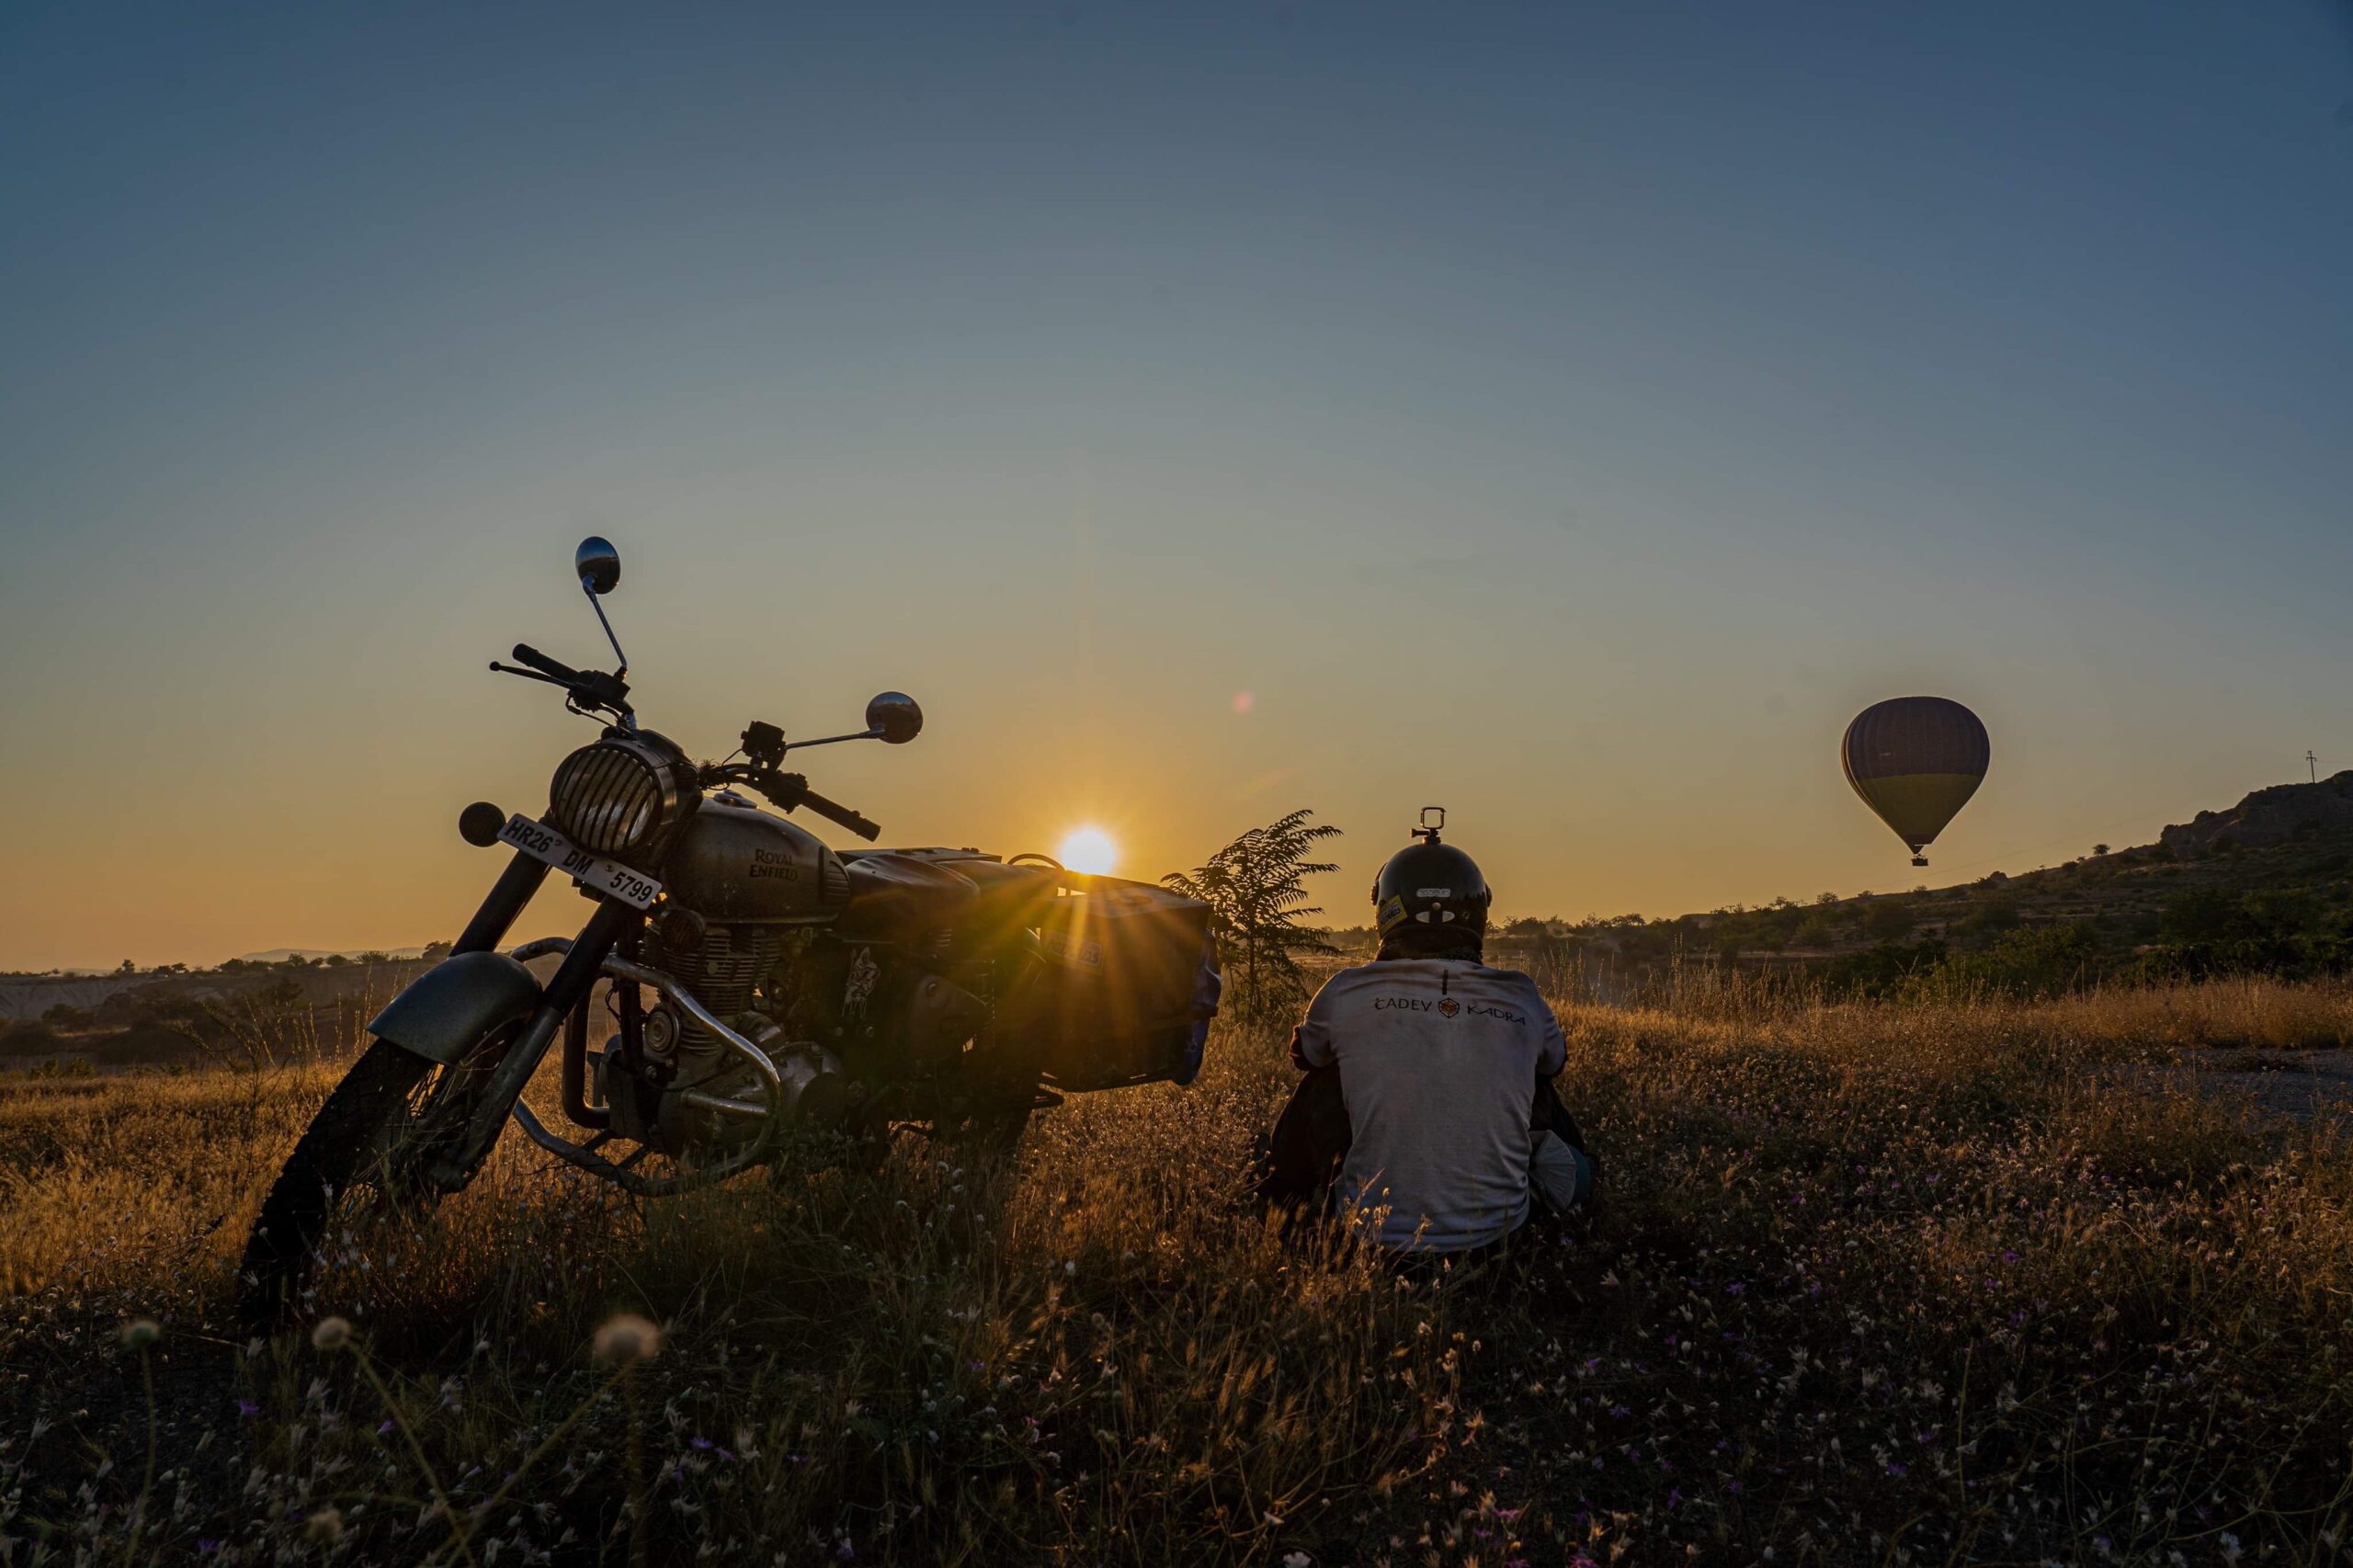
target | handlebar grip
x=842, y=814
x=527, y=655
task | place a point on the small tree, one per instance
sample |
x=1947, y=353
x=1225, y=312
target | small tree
x=1255, y=888
x=2099, y=850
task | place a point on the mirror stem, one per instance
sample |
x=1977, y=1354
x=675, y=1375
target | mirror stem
x=599, y=609
x=833, y=740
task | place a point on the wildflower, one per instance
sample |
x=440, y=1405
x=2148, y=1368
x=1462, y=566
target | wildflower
x=627, y=1339
x=331, y=1335
x=248, y=1409
x=325, y=1527
x=139, y=1332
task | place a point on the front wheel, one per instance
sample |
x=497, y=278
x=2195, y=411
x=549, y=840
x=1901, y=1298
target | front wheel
x=364, y=1158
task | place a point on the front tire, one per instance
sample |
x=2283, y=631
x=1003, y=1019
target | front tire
x=364, y=1156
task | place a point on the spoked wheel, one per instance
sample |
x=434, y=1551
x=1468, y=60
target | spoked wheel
x=361, y=1164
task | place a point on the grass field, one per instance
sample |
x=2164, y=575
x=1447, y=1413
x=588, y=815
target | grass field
x=1868, y=1284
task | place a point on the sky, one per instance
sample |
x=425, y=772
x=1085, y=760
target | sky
x=1570, y=415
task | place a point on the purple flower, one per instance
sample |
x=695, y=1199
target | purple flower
x=384, y=1427
x=248, y=1409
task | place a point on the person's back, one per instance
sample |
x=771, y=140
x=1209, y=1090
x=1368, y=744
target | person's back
x=1437, y=1058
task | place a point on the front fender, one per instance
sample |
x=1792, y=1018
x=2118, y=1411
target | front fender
x=447, y=1010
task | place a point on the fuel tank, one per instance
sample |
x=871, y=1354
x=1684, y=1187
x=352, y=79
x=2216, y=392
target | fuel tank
x=734, y=862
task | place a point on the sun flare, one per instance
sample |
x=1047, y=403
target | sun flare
x=1088, y=849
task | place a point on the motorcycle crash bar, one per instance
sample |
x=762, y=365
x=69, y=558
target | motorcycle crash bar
x=771, y=1115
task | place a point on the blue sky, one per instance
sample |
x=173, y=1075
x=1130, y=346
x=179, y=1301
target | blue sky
x=1571, y=416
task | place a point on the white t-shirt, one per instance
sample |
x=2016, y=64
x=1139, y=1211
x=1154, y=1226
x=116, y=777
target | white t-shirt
x=1438, y=1061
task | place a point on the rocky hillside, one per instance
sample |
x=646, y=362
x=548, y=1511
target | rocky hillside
x=2285, y=813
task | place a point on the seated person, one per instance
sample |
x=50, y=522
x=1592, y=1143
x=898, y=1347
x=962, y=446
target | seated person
x=1428, y=1107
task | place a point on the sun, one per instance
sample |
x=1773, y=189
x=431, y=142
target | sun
x=1088, y=849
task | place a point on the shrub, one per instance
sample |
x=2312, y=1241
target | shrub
x=1885, y=971
x=1890, y=921
x=1259, y=910
x=2038, y=961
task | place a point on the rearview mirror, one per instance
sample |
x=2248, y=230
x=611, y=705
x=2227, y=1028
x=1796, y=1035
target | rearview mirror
x=894, y=718
x=597, y=564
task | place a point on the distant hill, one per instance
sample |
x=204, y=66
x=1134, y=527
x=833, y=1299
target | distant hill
x=279, y=955
x=2262, y=887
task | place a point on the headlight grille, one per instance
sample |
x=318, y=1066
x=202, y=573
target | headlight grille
x=609, y=799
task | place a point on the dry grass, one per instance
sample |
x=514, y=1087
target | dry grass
x=1871, y=1284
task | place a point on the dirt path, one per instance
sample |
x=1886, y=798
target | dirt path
x=2298, y=1083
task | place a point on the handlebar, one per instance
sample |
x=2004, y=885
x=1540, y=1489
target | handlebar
x=840, y=815
x=555, y=669
x=586, y=689
x=790, y=791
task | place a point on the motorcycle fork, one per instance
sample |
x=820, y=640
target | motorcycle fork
x=565, y=991
x=576, y=1084
x=503, y=904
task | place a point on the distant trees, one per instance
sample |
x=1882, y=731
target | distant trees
x=2099, y=850
x=1259, y=910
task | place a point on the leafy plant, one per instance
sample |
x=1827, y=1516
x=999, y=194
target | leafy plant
x=1258, y=898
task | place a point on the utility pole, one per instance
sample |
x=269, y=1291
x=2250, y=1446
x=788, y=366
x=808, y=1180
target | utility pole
x=2313, y=762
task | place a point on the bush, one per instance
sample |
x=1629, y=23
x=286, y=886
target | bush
x=1886, y=970
x=1889, y=921
x=2040, y=962
x=1991, y=916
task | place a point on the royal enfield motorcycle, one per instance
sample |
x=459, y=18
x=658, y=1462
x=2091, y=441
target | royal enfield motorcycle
x=750, y=984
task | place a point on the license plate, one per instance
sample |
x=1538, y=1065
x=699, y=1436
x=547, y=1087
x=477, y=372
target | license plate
x=610, y=877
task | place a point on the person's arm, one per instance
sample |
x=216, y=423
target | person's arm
x=1311, y=1042
x=1310, y=1139
x=1312, y=1135
x=1552, y=1046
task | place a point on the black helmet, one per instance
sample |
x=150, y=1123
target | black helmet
x=1430, y=884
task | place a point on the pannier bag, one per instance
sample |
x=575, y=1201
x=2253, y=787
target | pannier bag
x=1126, y=978
x=1128, y=987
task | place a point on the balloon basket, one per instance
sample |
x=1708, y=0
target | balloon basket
x=1919, y=860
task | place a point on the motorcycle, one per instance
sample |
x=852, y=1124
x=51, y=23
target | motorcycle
x=758, y=983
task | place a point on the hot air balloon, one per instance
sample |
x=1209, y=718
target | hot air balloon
x=1915, y=761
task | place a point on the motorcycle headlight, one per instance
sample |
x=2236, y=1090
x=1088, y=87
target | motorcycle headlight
x=614, y=798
